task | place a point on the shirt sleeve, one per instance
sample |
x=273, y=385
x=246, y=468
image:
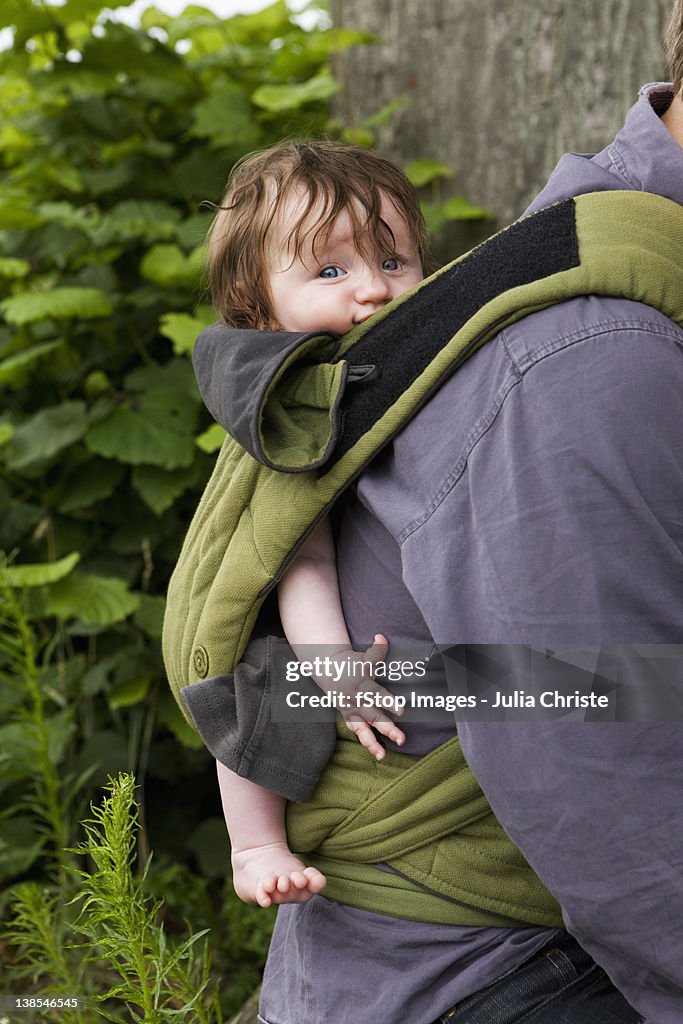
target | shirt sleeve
x=566, y=528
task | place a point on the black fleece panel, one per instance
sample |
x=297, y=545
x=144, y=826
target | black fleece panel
x=531, y=249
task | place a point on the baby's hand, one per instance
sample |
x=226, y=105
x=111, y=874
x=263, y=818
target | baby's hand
x=360, y=719
x=271, y=874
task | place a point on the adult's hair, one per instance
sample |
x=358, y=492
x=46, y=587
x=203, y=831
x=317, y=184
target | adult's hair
x=674, y=46
x=329, y=177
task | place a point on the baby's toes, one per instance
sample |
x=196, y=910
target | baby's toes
x=298, y=879
x=283, y=884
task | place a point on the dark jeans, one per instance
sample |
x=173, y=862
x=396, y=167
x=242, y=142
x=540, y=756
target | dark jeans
x=560, y=985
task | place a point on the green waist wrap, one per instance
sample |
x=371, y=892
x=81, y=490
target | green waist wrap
x=428, y=821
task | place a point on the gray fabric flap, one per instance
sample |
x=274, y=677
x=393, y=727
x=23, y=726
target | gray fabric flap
x=233, y=715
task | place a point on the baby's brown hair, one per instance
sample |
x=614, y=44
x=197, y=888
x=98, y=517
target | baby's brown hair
x=674, y=46
x=339, y=177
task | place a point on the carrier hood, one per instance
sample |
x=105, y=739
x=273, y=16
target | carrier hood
x=278, y=394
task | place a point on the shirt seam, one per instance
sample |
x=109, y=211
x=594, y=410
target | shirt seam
x=619, y=165
x=483, y=425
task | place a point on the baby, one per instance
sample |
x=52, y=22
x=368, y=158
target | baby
x=309, y=237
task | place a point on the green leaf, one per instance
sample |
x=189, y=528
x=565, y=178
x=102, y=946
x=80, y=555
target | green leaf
x=191, y=232
x=107, y=749
x=18, y=519
x=421, y=172
x=96, y=678
x=60, y=303
x=47, y=433
x=128, y=693
x=149, y=616
x=131, y=219
x=20, y=846
x=39, y=573
x=209, y=843
x=434, y=218
x=60, y=728
x=157, y=437
x=385, y=113
x=212, y=438
x=159, y=488
x=96, y=383
x=18, y=751
x=226, y=118
x=13, y=268
x=459, y=208
x=16, y=217
x=168, y=266
x=13, y=369
x=182, y=328
x=335, y=40
x=172, y=717
x=95, y=600
x=92, y=482
x=6, y=433
x=359, y=136
x=160, y=429
x=276, y=98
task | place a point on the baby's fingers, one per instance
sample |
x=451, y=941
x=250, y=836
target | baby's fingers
x=378, y=650
x=316, y=880
x=366, y=737
x=389, y=729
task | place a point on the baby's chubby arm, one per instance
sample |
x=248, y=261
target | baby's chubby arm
x=312, y=616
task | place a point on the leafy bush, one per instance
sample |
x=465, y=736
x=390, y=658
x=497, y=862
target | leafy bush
x=111, y=139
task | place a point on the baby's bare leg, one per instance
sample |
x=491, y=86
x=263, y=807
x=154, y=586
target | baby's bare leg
x=264, y=869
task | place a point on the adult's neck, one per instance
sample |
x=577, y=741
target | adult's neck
x=673, y=119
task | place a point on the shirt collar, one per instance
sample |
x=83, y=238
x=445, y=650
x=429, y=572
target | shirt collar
x=644, y=153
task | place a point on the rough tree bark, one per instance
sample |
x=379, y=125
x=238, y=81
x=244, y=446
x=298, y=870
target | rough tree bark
x=500, y=88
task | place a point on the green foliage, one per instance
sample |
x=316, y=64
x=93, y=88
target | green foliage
x=112, y=140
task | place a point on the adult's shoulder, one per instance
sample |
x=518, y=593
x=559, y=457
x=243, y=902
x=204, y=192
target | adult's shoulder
x=591, y=367
x=593, y=317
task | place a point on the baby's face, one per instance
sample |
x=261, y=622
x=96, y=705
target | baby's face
x=338, y=287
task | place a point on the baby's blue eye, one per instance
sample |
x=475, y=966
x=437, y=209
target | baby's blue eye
x=391, y=263
x=330, y=273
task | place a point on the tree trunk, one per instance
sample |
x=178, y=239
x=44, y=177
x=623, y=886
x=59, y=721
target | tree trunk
x=499, y=89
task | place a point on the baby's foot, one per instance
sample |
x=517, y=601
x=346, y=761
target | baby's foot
x=272, y=874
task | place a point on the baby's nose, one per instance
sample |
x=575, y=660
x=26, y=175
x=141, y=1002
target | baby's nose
x=372, y=286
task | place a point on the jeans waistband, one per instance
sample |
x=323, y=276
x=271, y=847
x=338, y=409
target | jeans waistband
x=565, y=944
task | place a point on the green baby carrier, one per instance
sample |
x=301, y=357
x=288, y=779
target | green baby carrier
x=325, y=409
